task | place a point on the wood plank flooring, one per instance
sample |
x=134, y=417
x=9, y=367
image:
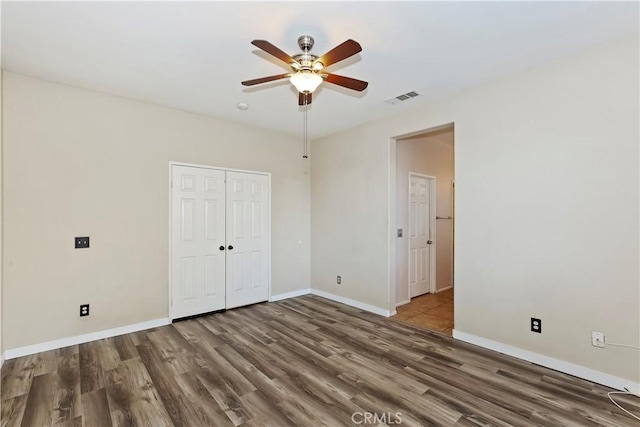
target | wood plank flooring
x=305, y=361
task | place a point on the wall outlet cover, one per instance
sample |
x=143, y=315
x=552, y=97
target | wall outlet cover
x=82, y=242
x=84, y=310
x=536, y=325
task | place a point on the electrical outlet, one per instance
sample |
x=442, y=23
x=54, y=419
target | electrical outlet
x=339, y=280
x=597, y=339
x=84, y=310
x=82, y=242
x=536, y=325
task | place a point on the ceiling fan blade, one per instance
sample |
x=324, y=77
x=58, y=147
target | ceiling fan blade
x=347, y=82
x=302, y=100
x=274, y=51
x=264, y=79
x=340, y=52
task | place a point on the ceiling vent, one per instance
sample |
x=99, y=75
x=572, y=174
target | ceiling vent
x=403, y=97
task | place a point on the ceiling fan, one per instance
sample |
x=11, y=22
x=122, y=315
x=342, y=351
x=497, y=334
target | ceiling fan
x=306, y=68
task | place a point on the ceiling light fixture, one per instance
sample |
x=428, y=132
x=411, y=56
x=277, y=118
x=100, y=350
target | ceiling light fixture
x=307, y=73
x=307, y=69
x=306, y=81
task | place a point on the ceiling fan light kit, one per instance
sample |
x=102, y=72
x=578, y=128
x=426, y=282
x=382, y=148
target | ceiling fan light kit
x=306, y=81
x=306, y=70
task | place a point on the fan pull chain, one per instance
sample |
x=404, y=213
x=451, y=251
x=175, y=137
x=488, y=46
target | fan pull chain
x=305, y=146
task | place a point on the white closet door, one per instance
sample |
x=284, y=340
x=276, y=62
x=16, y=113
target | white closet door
x=198, y=233
x=247, y=238
x=420, y=210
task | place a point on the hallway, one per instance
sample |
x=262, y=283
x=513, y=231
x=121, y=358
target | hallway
x=429, y=311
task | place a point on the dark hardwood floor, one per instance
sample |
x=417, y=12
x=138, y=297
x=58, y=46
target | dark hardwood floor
x=306, y=361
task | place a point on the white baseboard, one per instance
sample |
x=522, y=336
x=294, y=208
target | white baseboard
x=93, y=336
x=353, y=303
x=549, y=362
x=443, y=289
x=337, y=298
x=1, y=360
x=403, y=303
x=80, y=339
x=291, y=294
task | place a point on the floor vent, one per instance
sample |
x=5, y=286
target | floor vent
x=403, y=97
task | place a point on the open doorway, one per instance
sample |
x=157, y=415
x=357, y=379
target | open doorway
x=424, y=202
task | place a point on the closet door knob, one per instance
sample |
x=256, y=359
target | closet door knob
x=221, y=248
x=230, y=247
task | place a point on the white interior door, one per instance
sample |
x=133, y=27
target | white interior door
x=421, y=211
x=198, y=233
x=247, y=238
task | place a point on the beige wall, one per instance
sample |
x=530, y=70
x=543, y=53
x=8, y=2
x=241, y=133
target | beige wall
x=1, y=221
x=1, y=197
x=430, y=154
x=82, y=163
x=547, y=211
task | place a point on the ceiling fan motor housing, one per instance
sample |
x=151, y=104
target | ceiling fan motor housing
x=305, y=59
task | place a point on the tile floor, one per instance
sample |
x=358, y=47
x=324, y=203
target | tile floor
x=429, y=311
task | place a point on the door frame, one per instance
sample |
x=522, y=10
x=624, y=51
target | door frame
x=170, y=227
x=392, y=207
x=432, y=229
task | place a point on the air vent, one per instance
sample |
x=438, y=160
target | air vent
x=403, y=97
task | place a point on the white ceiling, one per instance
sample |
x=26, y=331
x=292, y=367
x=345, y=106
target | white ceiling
x=193, y=55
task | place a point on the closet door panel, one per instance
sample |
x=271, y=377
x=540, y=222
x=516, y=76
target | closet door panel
x=197, y=233
x=247, y=235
